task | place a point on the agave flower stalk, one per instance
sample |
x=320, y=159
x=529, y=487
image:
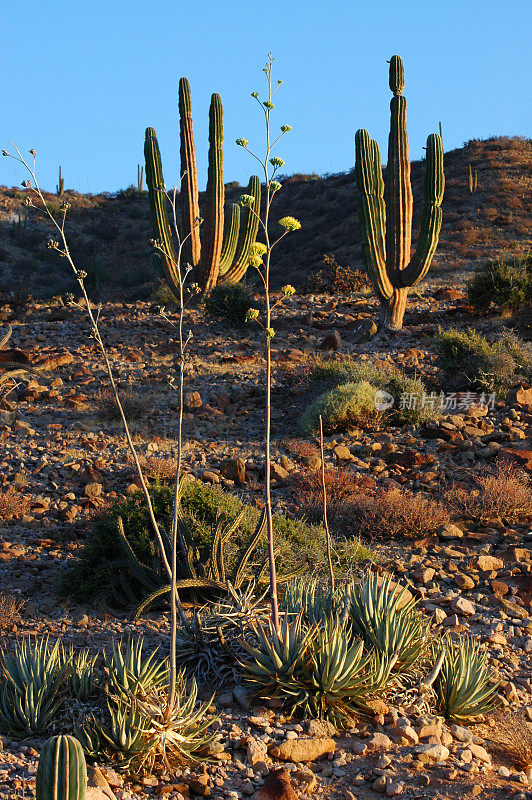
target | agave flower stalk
x=261, y=259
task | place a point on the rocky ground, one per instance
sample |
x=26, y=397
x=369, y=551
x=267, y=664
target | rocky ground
x=62, y=460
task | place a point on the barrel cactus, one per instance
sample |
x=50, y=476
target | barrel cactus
x=385, y=212
x=217, y=255
x=62, y=772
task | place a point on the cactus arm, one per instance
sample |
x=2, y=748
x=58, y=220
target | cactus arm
x=189, y=178
x=250, y=227
x=230, y=239
x=215, y=195
x=372, y=212
x=157, y=201
x=398, y=192
x=431, y=217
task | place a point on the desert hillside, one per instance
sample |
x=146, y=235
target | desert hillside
x=110, y=233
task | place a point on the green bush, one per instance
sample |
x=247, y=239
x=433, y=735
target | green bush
x=231, y=301
x=506, y=283
x=102, y=573
x=351, y=398
x=470, y=361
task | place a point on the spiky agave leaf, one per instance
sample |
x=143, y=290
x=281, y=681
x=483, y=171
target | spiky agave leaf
x=124, y=739
x=339, y=674
x=387, y=621
x=463, y=683
x=278, y=658
x=82, y=675
x=33, y=687
x=317, y=600
x=131, y=672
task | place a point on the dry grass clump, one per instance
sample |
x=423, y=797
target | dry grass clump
x=512, y=733
x=301, y=448
x=135, y=405
x=394, y=514
x=501, y=491
x=161, y=470
x=13, y=504
x=9, y=612
x=341, y=486
x=335, y=279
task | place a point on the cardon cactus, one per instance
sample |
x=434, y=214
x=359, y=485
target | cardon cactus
x=385, y=212
x=62, y=772
x=217, y=255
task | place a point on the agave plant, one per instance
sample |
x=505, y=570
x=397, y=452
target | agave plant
x=83, y=678
x=463, y=685
x=279, y=657
x=386, y=620
x=33, y=687
x=130, y=672
x=339, y=674
x=143, y=732
x=317, y=601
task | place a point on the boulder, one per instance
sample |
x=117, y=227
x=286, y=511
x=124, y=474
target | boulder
x=303, y=749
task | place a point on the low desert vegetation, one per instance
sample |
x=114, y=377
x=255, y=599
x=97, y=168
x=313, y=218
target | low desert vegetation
x=230, y=302
x=136, y=405
x=362, y=393
x=471, y=361
x=500, y=492
x=505, y=283
x=13, y=504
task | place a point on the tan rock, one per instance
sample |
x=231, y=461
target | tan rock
x=303, y=749
x=277, y=786
x=480, y=752
x=487, y=563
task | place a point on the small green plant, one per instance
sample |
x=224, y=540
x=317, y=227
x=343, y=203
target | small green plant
x=62, y=772
x=384, y=616
x=470, y=361
x=463, y=685
x=506, y=283
x=405, y=399
x=83, y=676
x=341, y=408
x=231, y=302
x=141, y=732
x=34, y=677
x=132, y=673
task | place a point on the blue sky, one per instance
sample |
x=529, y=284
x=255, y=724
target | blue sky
x=82, y=79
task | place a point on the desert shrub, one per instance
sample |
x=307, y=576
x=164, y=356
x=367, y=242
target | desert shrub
x=512, y=733
x=9, y=612
x=13, y=504
x=340, y=408
x=501, y=491
x=506, y=282
x=231, y=302
x=135, y=405
x=393, y=514
x=335, y=279
x=379, y=376
x=341, y=486
x=102, y=573
x=469, y=360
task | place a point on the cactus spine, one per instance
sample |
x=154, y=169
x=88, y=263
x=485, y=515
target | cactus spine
x=385, y=212
x=60, y=188
x=217, y=255
x=62, y=772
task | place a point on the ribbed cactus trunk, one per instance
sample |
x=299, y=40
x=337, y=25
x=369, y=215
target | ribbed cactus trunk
x=61, y=773
x=385, y=212
x=189, y=178
x=159, y=215
x=217, y=255
x=213, y=227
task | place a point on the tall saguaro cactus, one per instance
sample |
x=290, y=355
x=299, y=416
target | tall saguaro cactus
x=217, y=256
x=385, y=212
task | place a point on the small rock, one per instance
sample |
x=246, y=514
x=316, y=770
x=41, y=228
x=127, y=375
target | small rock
x=303, y=749
x=333, y=341
x=277, y=786
x=449, y=531
x=431, y=753
x=462, y=606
